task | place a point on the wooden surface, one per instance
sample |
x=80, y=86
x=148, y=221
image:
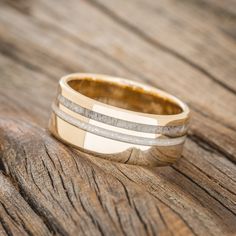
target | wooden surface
x=184, y=47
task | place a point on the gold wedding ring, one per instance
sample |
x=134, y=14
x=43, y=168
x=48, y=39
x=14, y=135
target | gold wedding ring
x=119, y=119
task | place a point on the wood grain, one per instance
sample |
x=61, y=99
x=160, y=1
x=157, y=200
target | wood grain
x=184, y=47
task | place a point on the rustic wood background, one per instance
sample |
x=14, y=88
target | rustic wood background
x=184, y=47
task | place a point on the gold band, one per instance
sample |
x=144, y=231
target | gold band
x=120, y=120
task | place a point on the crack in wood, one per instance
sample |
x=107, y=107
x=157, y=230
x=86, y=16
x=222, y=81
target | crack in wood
x=141, y=34
x=211, y=147
x=205, y=190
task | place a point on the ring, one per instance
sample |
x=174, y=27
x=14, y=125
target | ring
x=119, y=120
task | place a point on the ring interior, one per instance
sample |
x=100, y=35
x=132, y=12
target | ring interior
x=128, y=97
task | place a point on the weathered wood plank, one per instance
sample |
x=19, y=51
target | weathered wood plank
x=195, y=133
x=139, y=57
x=72, y=190
x=200, y=126
x=73, y=193
x=97, y=58
x=191, y=31
x=16, y=216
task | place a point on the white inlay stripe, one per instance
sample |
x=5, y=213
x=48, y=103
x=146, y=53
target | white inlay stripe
x=172, y=131
x=116, y=135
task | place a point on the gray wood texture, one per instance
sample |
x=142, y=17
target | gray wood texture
x=184, y=47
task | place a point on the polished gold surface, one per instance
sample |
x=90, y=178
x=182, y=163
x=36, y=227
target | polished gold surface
x=119, y=120
x=132, y=98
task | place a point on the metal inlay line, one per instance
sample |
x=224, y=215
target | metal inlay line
x=116, y=135
x=171, y=131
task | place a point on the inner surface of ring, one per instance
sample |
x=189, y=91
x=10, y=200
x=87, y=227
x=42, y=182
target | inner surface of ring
x=125, y=96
